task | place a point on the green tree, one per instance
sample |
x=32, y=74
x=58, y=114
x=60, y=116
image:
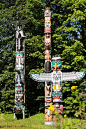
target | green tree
x=68, y=40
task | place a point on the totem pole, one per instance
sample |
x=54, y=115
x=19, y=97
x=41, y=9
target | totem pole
x=20, y=71
x=53, y=77
x=48, y=85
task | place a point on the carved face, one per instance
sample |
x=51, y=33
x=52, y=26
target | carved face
x=59, y=63
x=19, y=78
x=47, y=39
x=47, y=23
x=19, y=90
x=19, y=54
x=19, y=98
x=47, y=28
x=47, y=12
x=56, y=63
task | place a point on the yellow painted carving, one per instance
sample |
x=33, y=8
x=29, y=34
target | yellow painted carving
x=59, y=87
x=54, y=87
x=55, y=66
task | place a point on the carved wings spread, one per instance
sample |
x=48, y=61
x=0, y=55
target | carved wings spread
x=72, y=76
x=66, y=76
x=42, y=77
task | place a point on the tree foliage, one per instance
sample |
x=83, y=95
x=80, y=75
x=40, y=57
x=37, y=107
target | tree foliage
x=68, y=40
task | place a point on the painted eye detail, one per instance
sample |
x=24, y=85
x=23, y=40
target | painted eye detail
x=58, y=62
x=53, y=62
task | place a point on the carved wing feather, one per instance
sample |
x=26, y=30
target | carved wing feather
x=71, y=76
x=42, y=77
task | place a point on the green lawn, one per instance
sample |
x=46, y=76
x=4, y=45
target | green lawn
x=36, y=122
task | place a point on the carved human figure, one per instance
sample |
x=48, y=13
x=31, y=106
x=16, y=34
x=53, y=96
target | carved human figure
x=48, y=117
x=48, y=55
x=20, y=44
x=48, y=93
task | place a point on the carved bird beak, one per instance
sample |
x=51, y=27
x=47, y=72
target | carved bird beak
x=55, y=66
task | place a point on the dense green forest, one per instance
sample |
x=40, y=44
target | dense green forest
x=68, y=40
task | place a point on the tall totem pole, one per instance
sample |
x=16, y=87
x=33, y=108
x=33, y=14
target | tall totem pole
x=48, y=85
x=53, y=77
x=20, y=71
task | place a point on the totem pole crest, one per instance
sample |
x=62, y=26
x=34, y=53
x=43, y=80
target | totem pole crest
x=53, y=77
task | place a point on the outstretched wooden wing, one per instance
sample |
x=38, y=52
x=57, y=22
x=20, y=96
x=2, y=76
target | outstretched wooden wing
x=41, y=77
x=71, y=76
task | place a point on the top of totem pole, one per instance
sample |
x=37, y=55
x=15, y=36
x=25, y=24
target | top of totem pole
x=55, y=58
x=19, y=31
x=47, y=12
x=18, y=23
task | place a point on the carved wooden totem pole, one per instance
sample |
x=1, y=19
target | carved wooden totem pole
x=48, y=85
x=20, y=72
x=53, y=77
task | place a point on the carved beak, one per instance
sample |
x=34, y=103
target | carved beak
x=55, y=66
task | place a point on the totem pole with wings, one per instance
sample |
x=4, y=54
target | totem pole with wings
x=53, y=77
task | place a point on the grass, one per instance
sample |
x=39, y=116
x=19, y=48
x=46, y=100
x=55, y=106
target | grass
x=37, y=122
x=34, y=122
